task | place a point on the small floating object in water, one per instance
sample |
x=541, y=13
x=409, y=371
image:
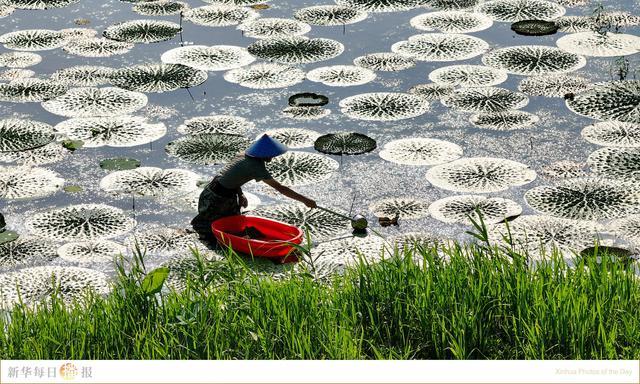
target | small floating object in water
x=72, y=189
x=386, y=221
x=82, y=21
x=343, y=143
x=8, y=236
x=72, y=145
x=534, y=27
x=308, y=99
x=119, y=164
x=259, y=7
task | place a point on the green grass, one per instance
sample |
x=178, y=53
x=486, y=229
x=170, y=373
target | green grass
x=483, y=303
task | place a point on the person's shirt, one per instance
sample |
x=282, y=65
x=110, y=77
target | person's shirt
x=242, y=169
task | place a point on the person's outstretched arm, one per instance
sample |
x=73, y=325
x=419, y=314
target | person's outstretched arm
x=290, y=193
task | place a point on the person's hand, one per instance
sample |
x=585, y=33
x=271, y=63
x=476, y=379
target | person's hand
x=244, y=203
x=310, y=203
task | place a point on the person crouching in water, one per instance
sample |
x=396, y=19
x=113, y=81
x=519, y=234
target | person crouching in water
x=223, y=195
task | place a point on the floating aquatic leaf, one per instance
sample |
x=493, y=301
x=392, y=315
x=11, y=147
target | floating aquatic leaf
x=185, y=267
x=308, y=99
x=330, y=15
x=19, y=59
x=237, y=2
x=504, y=121
x=383, y=106
x=385, y=61
x=270, y=27
x=458, y=209
x=20, y=135
x=119, y=164
x=26, y=251
x=403, y=208
x=31, y=286
x=613, y=134
x=420, y=151
x=265, y=76
x=452, y=22
x=50, y=153
x=432, y=91
x=296, y=49
x=33, y=40
x=535, y=233
x=149, y=181
x=28, y=183
x=614, y=100
x=306, y=113
x=5, y=10
x=72, y=145
x=553, y=85
x=301, y=168
x=334, y=256
x=116, y=131
x=39, y=4
x=452, y=5
x=164, y=239
x=31, y=90
x=97, y=47
x=586, y=198
x=71, y=34
x=214, y=58
x=600, y=45
x=321, y=225
x=96, y=102
x=441, y=47
x=160, y=8
x=8, y=236
x=142, y=31
x=83, y=75
x=534, y=27
x=533, y=60
x=516, y=10
x=344, y=143
x=563, y=170
x=485, y=99
x=96, y=251
x=80, y=222
x=573, y=24
x=16, y=73
x=616, y=162
x=294, y=137
x=225, y=124
x=341, y=75
x=219, y=15
x=207, y=148
x=381, y=5
x=480, y=175
x=627, y=228
x=468, y=76
x=157, y=77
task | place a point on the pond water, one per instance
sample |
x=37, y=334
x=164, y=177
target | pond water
x=362, y=180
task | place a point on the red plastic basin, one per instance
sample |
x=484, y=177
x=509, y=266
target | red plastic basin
x=277, y=235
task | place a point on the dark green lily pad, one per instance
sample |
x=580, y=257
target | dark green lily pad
x=119, y=164
x=534, y=27
x=615, y=253
x=8, y=236
x=308, y=99
x=72, y=189
x=72, y=145
x=344, y=143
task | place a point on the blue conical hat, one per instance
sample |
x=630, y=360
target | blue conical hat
x=266, y=147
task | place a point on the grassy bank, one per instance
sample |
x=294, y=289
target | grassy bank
x=482, y=304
